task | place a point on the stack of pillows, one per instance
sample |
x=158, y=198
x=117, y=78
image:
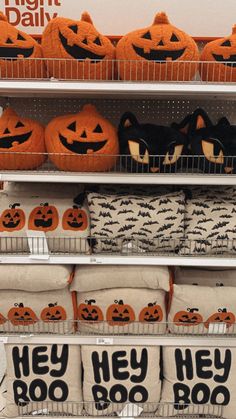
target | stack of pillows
x=74, y=49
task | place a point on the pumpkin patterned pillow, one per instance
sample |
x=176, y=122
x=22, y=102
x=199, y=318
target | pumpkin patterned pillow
x=58, y=218
x=114, y=376
x=198, y=381
x=191, y=313
x=133, y=223
x=122, y=310
x=43, y=377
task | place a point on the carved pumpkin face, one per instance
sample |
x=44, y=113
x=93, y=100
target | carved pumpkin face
x=44, y=218
x=150, y=314
x=221, y=59
x=143, y=49
x=53, y=313
x=82, y=49
x=120, y=314
x=88, y=142
x=22, y=316
x=21, y=136
x=222, y=316
x=12, y=219
x=18, y=51
x=188, y=318
x=75, y=219
x=2, y=319
x=89, y=312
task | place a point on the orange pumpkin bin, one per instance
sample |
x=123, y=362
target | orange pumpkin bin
x=20, y=138
x=120, y=314
x=158, y=52
x=20, y=55
x=53, y=313
x=43, y=218
x=81, y=51
x=12, y=219
x=84, y=142
x=90, y=312
x=220, y=59
x=22, y=316
x=75, y=219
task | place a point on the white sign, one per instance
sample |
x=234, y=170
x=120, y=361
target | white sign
x=38, y=245
x=201, y=18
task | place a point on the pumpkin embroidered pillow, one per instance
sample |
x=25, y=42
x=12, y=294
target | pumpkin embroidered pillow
x=43, y=376
x=190, y=313
x=81, y=51
x=137, y=223
x=114, y=376
x=198, y=381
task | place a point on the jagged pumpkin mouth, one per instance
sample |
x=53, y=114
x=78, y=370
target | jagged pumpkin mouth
x=159, y=55
x=14, y=53
x=11, y=224
x=230, y=62
x=8, y=142
x=120, y=319
x=74, y=224
x=82, y=148
x=43, y=223
x=79, y=53
x=152, y=319
x=89, y=317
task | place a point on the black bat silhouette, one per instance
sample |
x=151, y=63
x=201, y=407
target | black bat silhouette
x=225, y=216
x=145, y=229
x=164, y=201
x=212, y=235
x=103, y=234
x=144, y=214
x=200, y=228
x=111, y=223
x=107, y=205
x=126, y=202
x=204, y=220
x=180, y=202
x=131, y=219
x=200, y=204
x=95, y=219
x=198, y=212
x=195, y=232
x=107, y=229
x=125, y=211
x=146, y=205
x=165, y=227
x=126, y=228
x=181, y=211
x=164, y=210
x=219, y=209
x=233, y=230
x=172, y=217
x=220, y=224
x=105, y=214
x=139, y=234
x=150, y=223
x=233, y=210
x=115, y=200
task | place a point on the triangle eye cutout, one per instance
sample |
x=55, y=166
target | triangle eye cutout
x=20, y=37
x=98, y=128
x=72, y=126
x=174, y=38
x=83, y=135
x=226, y=43
x=6, y=131
x=147, y=35
x=9, y=41
x=74, y=28
x=19, y=125
x=97, y=41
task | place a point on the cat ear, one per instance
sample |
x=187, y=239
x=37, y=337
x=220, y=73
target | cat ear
x=223, y=122
x=183, y=126
x=128, y=119
x=199, y=120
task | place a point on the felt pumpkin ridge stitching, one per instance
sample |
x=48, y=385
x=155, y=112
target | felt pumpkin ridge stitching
x=90, y=313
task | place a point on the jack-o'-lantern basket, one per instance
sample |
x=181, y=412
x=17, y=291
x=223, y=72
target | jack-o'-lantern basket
x=80, y=52
x=20, y=55
x=158, y=52
x=84, y=142
x=219, y=58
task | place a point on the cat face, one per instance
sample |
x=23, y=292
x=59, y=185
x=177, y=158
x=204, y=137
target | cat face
x=148, y=147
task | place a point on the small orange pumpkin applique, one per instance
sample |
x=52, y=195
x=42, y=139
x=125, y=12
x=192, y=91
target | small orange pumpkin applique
x=90, y=312
x=222, y=316
x=158, y=52
x=2, y=319
x=53, y=313
x=85, y=142
x=219, y=58
x=19, y=53
x=151, y=313
x=21, y=142
x=120, y=314
x=191, y=317
x=44, y=218
x=22, y=316
x=81, y=52
x=12, y=219
x=75, y=219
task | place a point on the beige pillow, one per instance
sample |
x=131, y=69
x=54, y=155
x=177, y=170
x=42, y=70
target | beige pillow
x=194, y=308
x=90, y=278
x=200, y=377
x=136, y=223
x=48, y=374
x=37, y=312
x=66, y=228
x=35, y=277
x=49, y=189
x=119, y=375
x=122, y=310
x=205, y=277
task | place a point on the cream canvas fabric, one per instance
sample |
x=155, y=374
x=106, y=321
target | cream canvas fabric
x=114, y=376
x=47, y=311
x=44, y=373
x=204, y=277
x=35, y=277
x=65, y=231
x=199, y=376
x=194, y=307
x=49, y=189
x=122, y=310
x=91, y=278
x=138, y=223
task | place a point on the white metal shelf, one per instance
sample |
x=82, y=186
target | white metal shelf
x=136, y=340
x=118, y=178
x=53, y=88
x=119, y=260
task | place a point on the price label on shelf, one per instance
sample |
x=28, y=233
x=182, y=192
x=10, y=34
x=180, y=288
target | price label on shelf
x=130, y=410
x=104, y=341
x=96, y=260
x=3, y=339
x=38, y=245
x=217, y=328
